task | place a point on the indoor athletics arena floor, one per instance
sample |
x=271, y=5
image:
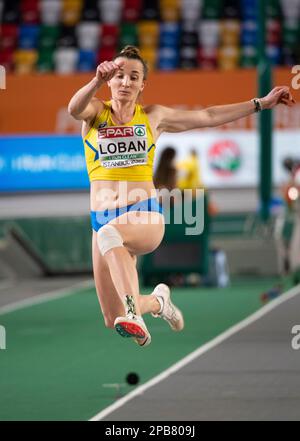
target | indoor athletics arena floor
x=234, y=361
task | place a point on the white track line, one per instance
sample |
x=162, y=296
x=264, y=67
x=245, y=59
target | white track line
x=198, y=352
x=47, y=297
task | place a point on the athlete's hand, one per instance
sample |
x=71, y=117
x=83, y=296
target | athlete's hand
x=279, y=95
x=107, y=69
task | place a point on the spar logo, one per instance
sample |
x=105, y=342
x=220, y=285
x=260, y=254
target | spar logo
x=139, y=131
x=115, y=132
x=225, y=158
x=122, y=132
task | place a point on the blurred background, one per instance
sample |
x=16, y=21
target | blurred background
x=200, y=53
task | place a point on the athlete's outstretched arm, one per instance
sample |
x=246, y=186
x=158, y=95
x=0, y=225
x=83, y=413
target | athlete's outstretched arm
x=84, y=105
x=173, y=120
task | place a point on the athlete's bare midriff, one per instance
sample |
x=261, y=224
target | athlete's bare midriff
x=113, y=194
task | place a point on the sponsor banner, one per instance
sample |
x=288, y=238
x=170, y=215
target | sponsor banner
x=227, y=159
x=42, y=163
x=231, y=159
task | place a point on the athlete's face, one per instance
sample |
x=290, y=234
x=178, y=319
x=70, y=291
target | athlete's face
x=128, y=82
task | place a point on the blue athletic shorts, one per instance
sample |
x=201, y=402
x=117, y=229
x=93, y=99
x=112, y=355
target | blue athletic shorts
x=101, y=218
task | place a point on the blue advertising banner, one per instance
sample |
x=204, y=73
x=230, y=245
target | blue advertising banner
x=29, y=163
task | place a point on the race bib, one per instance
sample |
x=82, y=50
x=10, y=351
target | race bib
x=121, y=147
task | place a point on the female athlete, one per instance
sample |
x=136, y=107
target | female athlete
x=119, y=139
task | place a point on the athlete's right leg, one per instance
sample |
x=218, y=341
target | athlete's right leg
x=111, y=304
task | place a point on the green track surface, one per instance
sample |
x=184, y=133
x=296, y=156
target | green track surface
x=59, y=354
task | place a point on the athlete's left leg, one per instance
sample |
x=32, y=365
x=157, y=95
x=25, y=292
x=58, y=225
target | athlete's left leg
x=142, y=233
x=111, y=304
x=117, y=242
x=136, y=233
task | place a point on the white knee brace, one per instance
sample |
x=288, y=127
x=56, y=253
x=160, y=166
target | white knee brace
x=108, y=237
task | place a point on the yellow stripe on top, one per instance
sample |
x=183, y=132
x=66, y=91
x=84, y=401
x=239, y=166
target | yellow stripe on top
x=120, y=153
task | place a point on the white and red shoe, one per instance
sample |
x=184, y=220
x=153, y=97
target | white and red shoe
x=132, y=325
